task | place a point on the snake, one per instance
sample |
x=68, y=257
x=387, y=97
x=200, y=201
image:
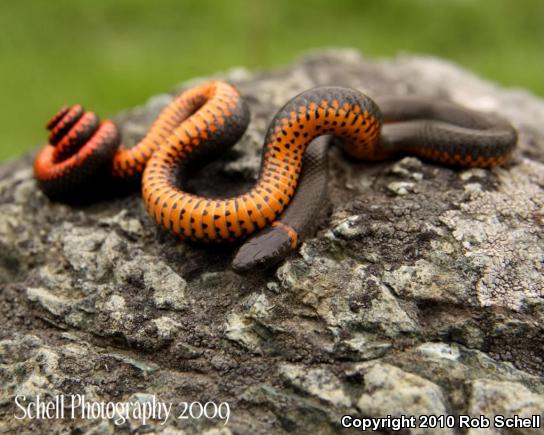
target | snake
x=279, y=210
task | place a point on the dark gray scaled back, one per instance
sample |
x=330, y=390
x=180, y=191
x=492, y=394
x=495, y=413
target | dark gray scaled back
x=419, y=123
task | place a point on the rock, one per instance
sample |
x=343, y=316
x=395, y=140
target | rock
x=363, y=347
x=422, y=291
x=48, y=301
x=425, y=281
x=509, y=258
x=506, y=400
x=409, y=168
x=391, y=391
x=316, y=382
x=401, y=187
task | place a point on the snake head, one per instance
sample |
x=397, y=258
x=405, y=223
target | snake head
x=263, y=250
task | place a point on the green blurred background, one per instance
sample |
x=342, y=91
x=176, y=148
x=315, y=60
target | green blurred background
x=111, y=55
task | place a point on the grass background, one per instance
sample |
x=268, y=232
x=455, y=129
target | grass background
x=110, y=55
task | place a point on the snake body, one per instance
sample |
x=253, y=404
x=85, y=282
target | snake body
x=208, y=118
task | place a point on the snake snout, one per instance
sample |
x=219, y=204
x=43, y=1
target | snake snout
x=263, y=251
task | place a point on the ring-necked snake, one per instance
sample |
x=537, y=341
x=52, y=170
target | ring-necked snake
x=208, y=118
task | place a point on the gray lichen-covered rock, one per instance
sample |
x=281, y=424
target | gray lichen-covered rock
x=391, y=391
x=422, y=291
